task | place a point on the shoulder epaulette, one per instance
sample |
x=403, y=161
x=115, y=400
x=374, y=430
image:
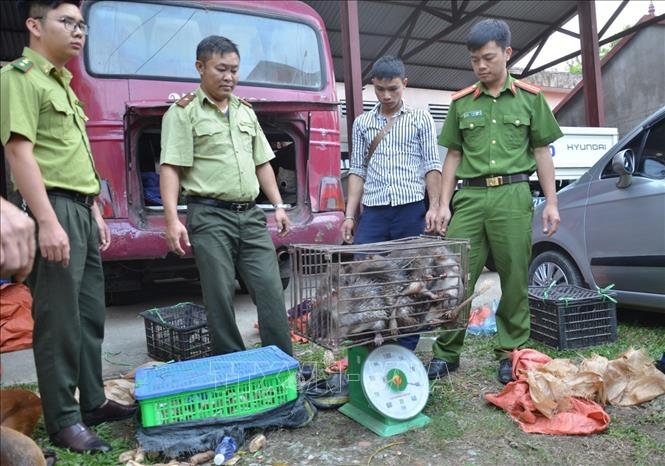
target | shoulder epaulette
x=463, y=92
x=22, y=64
x=527, y=87
x=244, y=102
x=186, y=99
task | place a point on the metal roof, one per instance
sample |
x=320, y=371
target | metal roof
x=429, y=35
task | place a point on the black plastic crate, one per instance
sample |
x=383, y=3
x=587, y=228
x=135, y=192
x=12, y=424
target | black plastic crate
x=178, y=332
x=566, y=317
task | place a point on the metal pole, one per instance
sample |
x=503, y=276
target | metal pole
x=593, y=84
x=351, y=59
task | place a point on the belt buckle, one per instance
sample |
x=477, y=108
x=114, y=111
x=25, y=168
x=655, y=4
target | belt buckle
x=237, y=207
x=493, y=182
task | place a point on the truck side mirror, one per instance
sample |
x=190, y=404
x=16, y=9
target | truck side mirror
x=623, y=163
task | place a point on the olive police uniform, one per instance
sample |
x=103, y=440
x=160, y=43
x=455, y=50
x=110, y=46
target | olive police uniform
x=496, y=136
x=218, y=154
x=68, y=302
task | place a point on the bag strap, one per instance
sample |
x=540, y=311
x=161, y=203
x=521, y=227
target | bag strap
x=377, y=139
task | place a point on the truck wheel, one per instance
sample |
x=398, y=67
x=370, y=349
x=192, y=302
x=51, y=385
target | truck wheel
x=554, y=266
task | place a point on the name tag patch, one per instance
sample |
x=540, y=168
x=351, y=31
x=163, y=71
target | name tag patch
x=475, y=113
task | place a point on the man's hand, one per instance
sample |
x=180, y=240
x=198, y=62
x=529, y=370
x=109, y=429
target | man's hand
x=430, y=220
x=54, y=242
x=17, y=242
x=283, y=222
x=104, y=230
x=443, y=218
x=175, y=233
x=551, y=219
x=347, y=230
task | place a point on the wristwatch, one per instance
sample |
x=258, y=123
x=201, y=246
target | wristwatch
x=281, y=206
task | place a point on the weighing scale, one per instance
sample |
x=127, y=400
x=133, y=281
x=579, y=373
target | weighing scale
x=388, y=389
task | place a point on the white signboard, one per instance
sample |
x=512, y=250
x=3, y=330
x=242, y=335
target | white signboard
x=580, y=148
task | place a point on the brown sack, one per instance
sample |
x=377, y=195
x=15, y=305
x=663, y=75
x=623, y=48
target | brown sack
x=632, y=379
x=15, y=317
x=553, y=411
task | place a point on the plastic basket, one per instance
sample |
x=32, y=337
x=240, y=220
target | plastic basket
x=566, y=317
x=227, y=386
x=177, y=332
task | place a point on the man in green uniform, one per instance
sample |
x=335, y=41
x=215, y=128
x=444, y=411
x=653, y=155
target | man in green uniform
x=46, y=146
x=497, y=133
x=213, y=145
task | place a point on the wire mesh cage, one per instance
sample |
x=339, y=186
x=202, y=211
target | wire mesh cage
x=354, y=294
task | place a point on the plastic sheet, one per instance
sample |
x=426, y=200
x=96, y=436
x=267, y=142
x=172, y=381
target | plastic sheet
x=555, y=396
x=187, y=438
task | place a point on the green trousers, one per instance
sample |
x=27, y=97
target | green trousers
x=223, y=240
x=69, y=311
x=498, y=220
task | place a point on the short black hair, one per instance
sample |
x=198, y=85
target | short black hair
x=32, y=8
x=488, y=30
x=215, y=44
x=388, y=67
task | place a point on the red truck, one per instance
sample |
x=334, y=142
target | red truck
x=139, y=58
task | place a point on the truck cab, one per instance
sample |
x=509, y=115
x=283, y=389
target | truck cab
x=139, y=59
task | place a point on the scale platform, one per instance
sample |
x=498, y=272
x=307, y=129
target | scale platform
x=388, y=389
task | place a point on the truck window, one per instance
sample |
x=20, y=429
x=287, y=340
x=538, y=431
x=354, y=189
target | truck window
x=157, y=41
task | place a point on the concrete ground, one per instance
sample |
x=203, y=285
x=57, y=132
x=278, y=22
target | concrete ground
x=125, y=345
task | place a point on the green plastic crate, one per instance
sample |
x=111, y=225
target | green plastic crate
x=227, y=386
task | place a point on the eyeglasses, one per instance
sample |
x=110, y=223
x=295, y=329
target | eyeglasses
x=70, y=25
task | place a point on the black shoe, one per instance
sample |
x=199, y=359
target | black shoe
x=438, y=368
x=79, y=438
x=505, y=371
x=660, y=365
x=330, y=393
x=109, y=411
x=305, y=372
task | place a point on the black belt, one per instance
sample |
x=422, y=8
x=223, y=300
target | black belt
x=228, y=205
x=496, y=180
x=73, y=195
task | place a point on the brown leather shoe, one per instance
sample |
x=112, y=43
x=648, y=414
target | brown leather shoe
x=109, y=411
x=79, y=438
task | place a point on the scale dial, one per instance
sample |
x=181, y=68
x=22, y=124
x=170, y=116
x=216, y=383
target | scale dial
x=395, y=382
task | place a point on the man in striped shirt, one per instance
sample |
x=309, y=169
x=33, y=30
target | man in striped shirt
x=386, y=190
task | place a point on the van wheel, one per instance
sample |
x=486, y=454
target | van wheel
x=554, y=266
x=124, y=298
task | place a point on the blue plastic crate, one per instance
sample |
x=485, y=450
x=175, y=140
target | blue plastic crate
x=230, y=385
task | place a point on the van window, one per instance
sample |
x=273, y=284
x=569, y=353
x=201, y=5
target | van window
x=157, y=41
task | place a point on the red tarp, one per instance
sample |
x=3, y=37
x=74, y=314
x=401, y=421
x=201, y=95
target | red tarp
x=15, y=317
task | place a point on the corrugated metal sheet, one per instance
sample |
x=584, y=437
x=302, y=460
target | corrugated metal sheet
x=430, y=35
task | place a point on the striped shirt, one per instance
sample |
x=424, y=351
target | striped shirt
x=396, y=170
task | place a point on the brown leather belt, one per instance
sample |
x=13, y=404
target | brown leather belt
x=73, y=195
x=495, y=180
x=228, y=205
